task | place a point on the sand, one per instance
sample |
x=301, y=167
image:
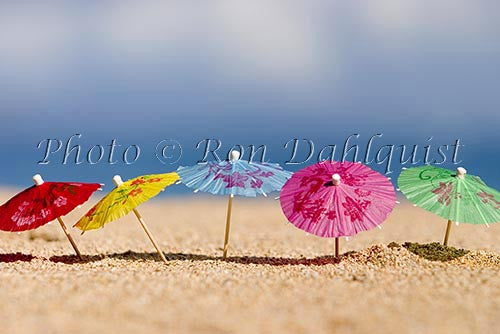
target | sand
x=278, y=279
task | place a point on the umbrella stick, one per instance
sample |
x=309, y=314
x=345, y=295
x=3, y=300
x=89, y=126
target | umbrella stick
x=143, y=224
x=228, y=224
x=336, y=247
x=70, y=238
x=448, y=228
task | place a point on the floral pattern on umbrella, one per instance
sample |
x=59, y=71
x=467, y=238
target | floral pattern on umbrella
x=465, y=199
x=237, y=177
x=43, y=203
x=123, y=199
x=362, y=200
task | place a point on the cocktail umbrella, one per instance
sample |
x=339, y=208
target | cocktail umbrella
x=452, y=195
x=43, y=203
x=234, y=177
x=335, y=199
x=125, y=198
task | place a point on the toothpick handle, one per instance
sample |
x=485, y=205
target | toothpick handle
x=336, y=247
x=153, y=241
x=336, y=179
x=70, y=238
x=117, y=180
x=446, y=236
x=235, y=155
x=37, y=179
x=228, y=224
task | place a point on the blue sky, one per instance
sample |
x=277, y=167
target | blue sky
x=259, y=72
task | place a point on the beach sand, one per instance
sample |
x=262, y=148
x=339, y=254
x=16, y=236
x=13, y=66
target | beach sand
x=278, y=279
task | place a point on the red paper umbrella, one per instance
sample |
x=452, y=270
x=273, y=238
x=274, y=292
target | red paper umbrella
x=42, y=203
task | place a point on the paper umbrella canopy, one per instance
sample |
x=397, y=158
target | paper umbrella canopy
x=234, y=177
x=452, y=195
x=334, y=199
x=40, y=204
x=124, y=199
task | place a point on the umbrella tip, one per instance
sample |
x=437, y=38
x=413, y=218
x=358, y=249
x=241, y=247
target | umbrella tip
x=117, y=180
x=461, y=172
x=235, y=155
x=336, y=179
x=38, y=179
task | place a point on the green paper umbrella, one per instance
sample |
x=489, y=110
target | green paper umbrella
x=453, y=195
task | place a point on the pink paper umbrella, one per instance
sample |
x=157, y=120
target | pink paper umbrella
x=335, y=199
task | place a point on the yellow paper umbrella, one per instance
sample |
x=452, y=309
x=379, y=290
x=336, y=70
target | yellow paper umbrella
x=125, y=198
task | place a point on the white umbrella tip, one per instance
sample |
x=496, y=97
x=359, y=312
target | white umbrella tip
x=117, y=180
x=461, y=172
x=336, y=179
x=38, y=179
x=235, y=155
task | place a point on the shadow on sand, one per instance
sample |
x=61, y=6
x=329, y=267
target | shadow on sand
x=143, y=256
x=14, y=257
x=432, y=251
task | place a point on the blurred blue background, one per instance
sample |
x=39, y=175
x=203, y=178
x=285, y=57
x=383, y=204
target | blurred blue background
x=245, y=72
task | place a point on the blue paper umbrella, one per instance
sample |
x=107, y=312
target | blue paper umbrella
x=234, y=177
